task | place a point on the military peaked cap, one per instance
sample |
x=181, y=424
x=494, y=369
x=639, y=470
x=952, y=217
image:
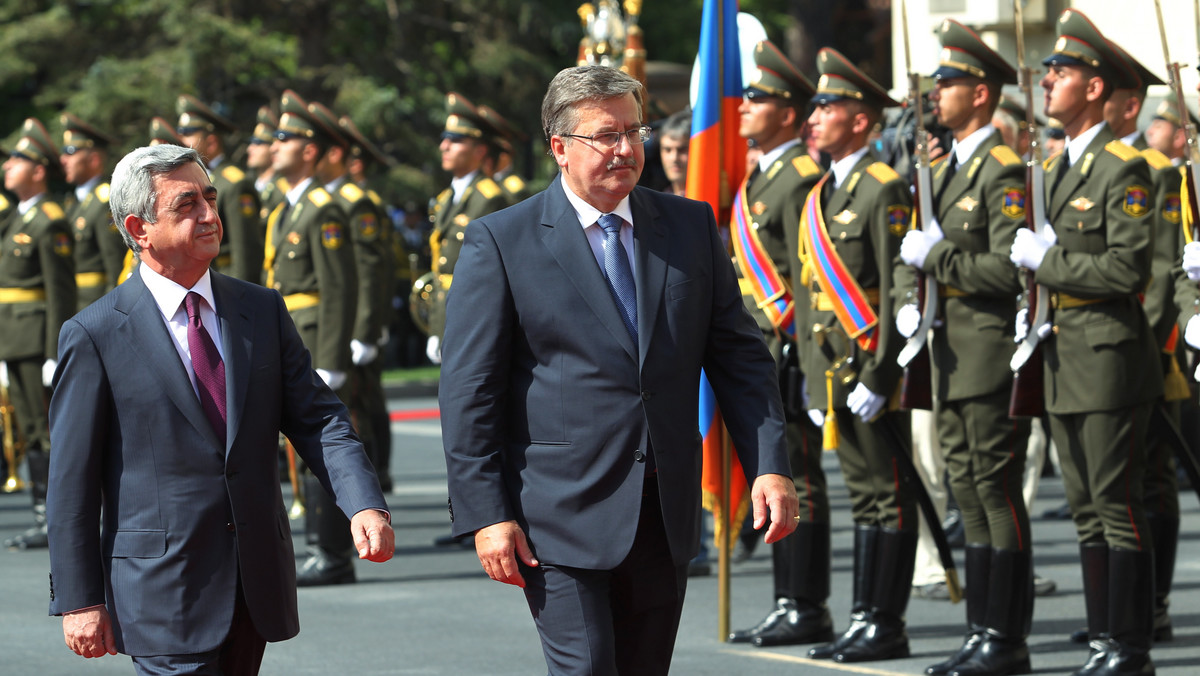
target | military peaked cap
x=964, y=54
x=776, y=76
x=463, y=119
x=265, y=125
x=328, y=119
x=359, y=145
x=295, y=120
x=1080, y=43
x=35, y=145
x=78, y=135
x=840, y=79
x=162, y=132
x=194, y=116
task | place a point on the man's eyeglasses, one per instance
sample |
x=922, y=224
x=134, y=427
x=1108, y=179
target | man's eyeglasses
x=610, y=139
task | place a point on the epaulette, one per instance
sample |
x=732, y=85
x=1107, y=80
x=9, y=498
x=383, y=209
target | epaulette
x=514, y=183
x=4, y=203
x=233, y=174
x=445, y=195
x=374, y=197
x=1156, y=159
x=351, y=192
x=1005, y=156
x=882, y=173
x=938, y=160
x=488, y=188
x=102, y=192
x=805, y=166
x=1122, y=150
x=53, y=211
x=319, y=196
x=1050, y=162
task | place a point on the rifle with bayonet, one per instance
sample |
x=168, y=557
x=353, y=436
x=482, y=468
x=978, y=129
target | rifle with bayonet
x=917, y=388
x=1027, y=399
x=1191, y=153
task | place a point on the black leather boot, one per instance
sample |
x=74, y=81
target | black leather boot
x=807, y=587
x=1131, y=614
x=885, y=636
x=1165, y=531
x=1003, y=651
x=866, y=541
x=1093, y=557
x=330, y=546
x=978, y=567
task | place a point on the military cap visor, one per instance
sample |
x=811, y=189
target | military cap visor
x=35, y=145
x=1080, y=43
x=841, y=80
x=1168, y=110
x=195, y=116
x=776, y=76
x=463, y=120
x=79, y=135
x=295, y=121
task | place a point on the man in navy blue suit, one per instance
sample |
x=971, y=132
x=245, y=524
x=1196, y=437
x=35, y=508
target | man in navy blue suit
x=169, y=539
x=576, y=330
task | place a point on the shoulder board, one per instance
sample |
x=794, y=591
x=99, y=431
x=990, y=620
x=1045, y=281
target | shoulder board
x=513, y=183
x=1049, y=162
x=1005, y=156
x=53, y=211
x=351, y=192
x=102, y=192
x=232, y=174
x=805, y=166
x=374, y=197
x=882, y=172
x=1122, y=150
x=938, y=160
x=319, y=196
x=488, y=188
x=1156, y=159
x=4, y=203
x=445, y=194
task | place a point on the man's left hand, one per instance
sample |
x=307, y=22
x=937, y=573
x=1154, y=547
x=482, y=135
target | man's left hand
x=373, y=536
x=774, y=495
x=48, y=371
x=917, y=243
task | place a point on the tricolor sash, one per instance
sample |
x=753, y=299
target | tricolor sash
x=772, y=294
x=850, y=304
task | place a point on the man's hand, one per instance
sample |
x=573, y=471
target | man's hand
x=334, y=379
x=373, y=536
x=864, y=403
x=48, y=369
x=1028, y=248
x=362, y=353
x=500, y=545
x=774, y=495
x=917, y=243
x=1191, y=260
x=433, y=349
x=89, y=632
x=908, y=318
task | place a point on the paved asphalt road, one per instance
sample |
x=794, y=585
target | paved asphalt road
x=432, y=611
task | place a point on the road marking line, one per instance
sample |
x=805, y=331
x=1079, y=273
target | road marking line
x=825, y=664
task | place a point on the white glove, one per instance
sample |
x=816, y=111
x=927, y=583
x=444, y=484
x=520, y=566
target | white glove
x=1191, y=332
x=917, y=243
x=361, y=353
x=48, y=371
x=433, y=349
x=1191, y=260
x=384, y=337
x=908, y=318
x=1029, y=249
x=817, y=416
x=864, y=403
x=1048, y=234
x=334, y=379
x=4, y=374
x=1022, y=324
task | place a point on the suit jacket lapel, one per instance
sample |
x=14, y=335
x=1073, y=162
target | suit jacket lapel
x=236, y=344
x=567, y=243
x=147, y=335
x=651, y=250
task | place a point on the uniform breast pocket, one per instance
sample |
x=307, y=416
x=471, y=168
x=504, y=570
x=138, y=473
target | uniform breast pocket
x=1082, y=229
x=1108, y=332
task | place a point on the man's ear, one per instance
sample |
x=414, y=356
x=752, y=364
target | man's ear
x=558, y=147
x=136, y=228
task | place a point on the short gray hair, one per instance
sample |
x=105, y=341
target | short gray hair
x=572, y=86
x=132, y=190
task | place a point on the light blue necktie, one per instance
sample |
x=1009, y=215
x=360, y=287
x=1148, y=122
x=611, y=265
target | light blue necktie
x=618, y=274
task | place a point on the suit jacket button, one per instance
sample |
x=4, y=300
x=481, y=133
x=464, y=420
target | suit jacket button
x=639, y=456
x=646, y=395
x=229, y=527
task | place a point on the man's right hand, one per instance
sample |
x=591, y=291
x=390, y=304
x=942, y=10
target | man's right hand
x=433, y=349
x=499, y=546
x=89, y=632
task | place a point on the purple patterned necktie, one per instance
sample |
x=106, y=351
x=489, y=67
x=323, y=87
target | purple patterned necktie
x=206, y=362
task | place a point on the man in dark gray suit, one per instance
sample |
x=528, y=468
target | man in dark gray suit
x=576, y=331
x=169, y=539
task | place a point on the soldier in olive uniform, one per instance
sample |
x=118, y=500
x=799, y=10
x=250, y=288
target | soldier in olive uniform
x=503, y=171
x=237, y=200
x=99, y=249
x=373, y=260
x=270, y=187
x=1102, y=373
x=393, y=275
x=310, y=261
x=472, y=193
x=978, y=196
x=851, y=229
x=1161, y=490
x=766, y=215
x=37, y=294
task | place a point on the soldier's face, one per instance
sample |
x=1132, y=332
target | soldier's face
x=18, y=174
x=602, y=176
x=187, y=233
x=288, y=156
x=954, y=101
x=258, y=156
x=1160, y=135
x=461, y=156
x=835, y=128
x=674, y=153
x=80, y=166
x=760, y=118
x=1067, y=91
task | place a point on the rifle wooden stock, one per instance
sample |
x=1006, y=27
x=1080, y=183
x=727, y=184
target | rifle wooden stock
x=916, y=390
x=1027, y=399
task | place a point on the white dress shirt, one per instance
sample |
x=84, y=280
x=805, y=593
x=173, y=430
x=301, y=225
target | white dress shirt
x=168, y=296
x=589, y=217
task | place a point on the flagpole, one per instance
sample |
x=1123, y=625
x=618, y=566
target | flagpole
x=723, y=563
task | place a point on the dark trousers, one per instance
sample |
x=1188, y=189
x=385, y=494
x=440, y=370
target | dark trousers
x=877, y=495
x=619, y=622
x=240, y=654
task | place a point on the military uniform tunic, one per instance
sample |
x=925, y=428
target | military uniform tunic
x=450, y=220
x=99, y=249
x=238, y=206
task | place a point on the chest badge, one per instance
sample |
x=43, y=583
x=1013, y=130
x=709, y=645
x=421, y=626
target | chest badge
x=22, y=238
x=1081, y=203
x=967, y=204
x=845, y=217
x=293, y=238
x=462, y=220
x=759, y=208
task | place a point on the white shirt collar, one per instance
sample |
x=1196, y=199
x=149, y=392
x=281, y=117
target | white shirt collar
x=963, y=150
x=769, y=158
x=25, y=205
x=168, y=294
x=1076, y=146
x=82, y=191
x=459, y=185
x=1130, y=139
x=294, y=194
x=216, y=161
x=588, y=214
x=842, y=167
x=336, y=184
